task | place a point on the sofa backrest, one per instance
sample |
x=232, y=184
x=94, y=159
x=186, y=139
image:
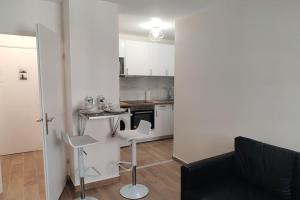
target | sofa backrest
x=296, y=185
x=269, y=167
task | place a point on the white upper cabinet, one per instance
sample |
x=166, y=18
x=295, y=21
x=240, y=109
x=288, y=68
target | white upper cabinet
x=147, y=58
x=170, y=60
x=121, y=48
x=166, y=59
x=137, y=58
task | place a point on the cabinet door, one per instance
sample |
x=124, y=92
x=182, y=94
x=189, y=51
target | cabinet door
x=121, y=48
x=137, y=58
x=172, y=119
x=170, y=60
x=156, y=59
x=161, y=59
x=163, y=120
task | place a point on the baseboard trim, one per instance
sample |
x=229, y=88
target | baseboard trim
x=179, y=160
x=98, y=183
x=151, y=139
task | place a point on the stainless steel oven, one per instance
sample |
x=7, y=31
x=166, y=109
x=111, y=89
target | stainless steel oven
x=142, y=113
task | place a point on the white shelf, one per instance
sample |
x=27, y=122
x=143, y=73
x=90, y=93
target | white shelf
x=103, y=115
x=84, y=117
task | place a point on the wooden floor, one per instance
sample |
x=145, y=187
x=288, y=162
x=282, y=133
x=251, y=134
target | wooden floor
x=157, y=171
x=23, y=176
x=150, y=152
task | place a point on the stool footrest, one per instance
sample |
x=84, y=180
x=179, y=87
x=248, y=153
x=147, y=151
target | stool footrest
x=122, y=163
x=91, y=176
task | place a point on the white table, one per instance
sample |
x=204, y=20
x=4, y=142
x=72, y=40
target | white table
x=83, y=118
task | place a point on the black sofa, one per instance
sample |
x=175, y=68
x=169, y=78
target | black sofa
x=254, y=171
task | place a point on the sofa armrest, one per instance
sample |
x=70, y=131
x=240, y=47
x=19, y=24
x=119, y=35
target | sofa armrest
x=202, y=172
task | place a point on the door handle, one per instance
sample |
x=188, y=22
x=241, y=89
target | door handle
x=47, y=121
x=39, y=120
x=144, y=112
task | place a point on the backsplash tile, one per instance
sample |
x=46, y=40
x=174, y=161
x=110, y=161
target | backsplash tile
x=134, y=88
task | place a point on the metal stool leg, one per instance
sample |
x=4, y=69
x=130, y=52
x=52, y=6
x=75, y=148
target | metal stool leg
x=134, y=190
x=81, y=176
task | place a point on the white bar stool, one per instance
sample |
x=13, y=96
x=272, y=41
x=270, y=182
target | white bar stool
x=80, y=142
x=134, y=190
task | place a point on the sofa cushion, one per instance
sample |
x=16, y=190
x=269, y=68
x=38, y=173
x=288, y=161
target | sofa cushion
x=231, y=189
x=266, y=166
x=296, y=188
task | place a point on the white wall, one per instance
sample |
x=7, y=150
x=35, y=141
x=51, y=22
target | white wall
x=19, y=102
x=91, y=33
x=20, y=17
x=133, y=88
x=1, y=183
x=237, y=73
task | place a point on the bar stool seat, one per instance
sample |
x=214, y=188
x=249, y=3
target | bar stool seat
x=130, y=135
x=82, y=141
x=134, y=190
x=78, y=143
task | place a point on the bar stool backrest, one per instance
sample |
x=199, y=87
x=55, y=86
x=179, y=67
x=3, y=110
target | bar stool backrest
x=67, y=139
x=144, y=127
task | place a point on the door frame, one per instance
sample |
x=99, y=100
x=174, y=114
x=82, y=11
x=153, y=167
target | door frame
x=41, y=110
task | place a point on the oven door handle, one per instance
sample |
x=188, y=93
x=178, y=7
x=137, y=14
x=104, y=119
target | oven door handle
x=144, y=112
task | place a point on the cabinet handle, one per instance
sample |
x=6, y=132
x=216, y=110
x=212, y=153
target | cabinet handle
x=126, y=71
x=156, y=113
x=144, y=112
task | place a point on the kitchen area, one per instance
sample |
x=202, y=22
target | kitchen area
x=127, y=77
x=147, y=85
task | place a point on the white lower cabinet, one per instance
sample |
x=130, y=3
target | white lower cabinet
x=163, y=120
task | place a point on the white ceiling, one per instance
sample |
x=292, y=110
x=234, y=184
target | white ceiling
x=135, y=12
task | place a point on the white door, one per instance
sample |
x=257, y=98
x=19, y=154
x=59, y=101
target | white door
x=52, y=101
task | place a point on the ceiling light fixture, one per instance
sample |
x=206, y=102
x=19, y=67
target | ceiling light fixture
x=156, y=34
x=156, y=27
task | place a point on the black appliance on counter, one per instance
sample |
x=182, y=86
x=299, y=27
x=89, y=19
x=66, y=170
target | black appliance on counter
x=145, y=112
